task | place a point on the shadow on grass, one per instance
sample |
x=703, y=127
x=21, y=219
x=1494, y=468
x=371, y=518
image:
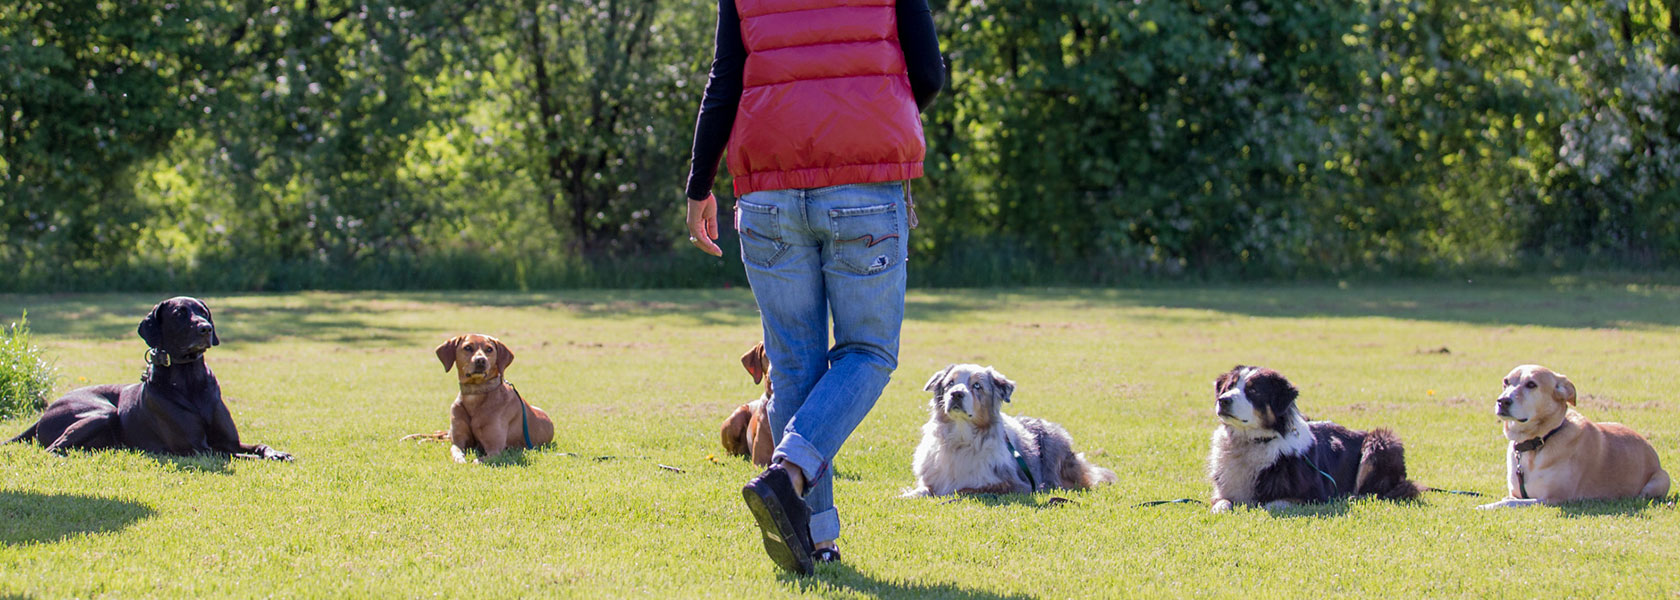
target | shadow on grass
x=832, y=578
x=1027, y=500
x=218, y=464
x=1335, y=508
x=363, y=317
x=512, y=457
x=1565, y=303
x=28, y=518
x=1628, y=507
x=371, y=317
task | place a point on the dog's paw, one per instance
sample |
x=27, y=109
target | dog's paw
x=273, y=454
x=1509, y=503
x=1220, y=506
x=920, y=492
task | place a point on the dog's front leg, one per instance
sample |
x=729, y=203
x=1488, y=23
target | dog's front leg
x=1283, y=504
x=1002, y=487
x=1221, y=505
x=80, y=433
x=461, y=438
x=1510, y=503
x=493, y=445
x=222, y=436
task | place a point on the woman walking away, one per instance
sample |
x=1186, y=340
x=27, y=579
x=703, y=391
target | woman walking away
x=818, y=102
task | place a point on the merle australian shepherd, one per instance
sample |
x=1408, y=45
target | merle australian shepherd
x=1265, y=453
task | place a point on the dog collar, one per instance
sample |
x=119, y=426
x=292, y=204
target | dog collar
x=1531, y=445
x=1536, y=443
x=524, y=422
x=481, y=388
x=161, y=358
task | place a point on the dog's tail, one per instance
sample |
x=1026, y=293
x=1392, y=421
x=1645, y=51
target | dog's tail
x=440, y=435
x=28, y=435
x=1092, y=475
x=1382, y=468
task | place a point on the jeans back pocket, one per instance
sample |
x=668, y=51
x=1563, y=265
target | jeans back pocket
x=761, y=232
x=868, y=239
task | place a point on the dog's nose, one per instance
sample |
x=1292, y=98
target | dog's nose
x=957, y=395
x=205, y=328
x=1505, y=402
x=1224, y=402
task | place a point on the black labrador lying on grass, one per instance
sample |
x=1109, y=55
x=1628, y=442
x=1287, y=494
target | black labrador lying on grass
x=176, y=408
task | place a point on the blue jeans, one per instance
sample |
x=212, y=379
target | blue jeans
x=811, y=253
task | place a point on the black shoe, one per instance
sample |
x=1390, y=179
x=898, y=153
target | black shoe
x=826, y=555
x=783, y=518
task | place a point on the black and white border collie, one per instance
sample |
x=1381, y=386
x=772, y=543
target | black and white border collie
x=1265, y=453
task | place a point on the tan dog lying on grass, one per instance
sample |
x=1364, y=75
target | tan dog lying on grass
x=747, y=431
x=1557, y=455
x=488, y=415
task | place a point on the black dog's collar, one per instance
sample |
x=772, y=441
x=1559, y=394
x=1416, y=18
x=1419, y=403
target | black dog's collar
x=1536, y=443
x=162, y=358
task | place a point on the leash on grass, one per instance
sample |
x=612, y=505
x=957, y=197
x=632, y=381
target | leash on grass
x=443, y=436
x=1195, y=501
x=1173, y=501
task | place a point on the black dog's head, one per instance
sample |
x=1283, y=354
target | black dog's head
x=1255, y=399
x=180, y=326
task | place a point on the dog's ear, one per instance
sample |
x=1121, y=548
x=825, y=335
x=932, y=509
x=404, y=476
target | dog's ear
x=446, y=352
x=504, y=356
x=149, y=329
x=1289, y=391
x=1563, y=390
x=755, y=361
x=938, y=378
x=1224, y=381
x=1005, y=387
x=215, y=339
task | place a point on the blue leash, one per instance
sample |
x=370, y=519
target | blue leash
x=1021, y=462
x=1333, y=489
x=523, y=408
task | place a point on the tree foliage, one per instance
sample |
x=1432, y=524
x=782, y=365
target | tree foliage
x=1156, y=136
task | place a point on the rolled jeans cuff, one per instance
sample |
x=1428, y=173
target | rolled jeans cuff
x=795, y=449
x=825, y=526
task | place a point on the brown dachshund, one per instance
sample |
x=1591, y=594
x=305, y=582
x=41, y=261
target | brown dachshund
x=747, y=431
x=488, y=415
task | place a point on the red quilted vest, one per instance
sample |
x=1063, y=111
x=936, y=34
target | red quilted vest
x=825, y=99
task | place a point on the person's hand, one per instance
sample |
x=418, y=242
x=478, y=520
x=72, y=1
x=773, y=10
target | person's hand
x=703, y=226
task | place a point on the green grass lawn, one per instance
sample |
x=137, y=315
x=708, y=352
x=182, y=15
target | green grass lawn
x=639, y=380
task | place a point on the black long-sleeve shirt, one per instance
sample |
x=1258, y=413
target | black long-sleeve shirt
x=916, y=36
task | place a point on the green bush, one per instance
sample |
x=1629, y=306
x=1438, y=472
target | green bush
x=26, y=376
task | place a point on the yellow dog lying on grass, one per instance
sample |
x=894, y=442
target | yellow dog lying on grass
x=1557, y=455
